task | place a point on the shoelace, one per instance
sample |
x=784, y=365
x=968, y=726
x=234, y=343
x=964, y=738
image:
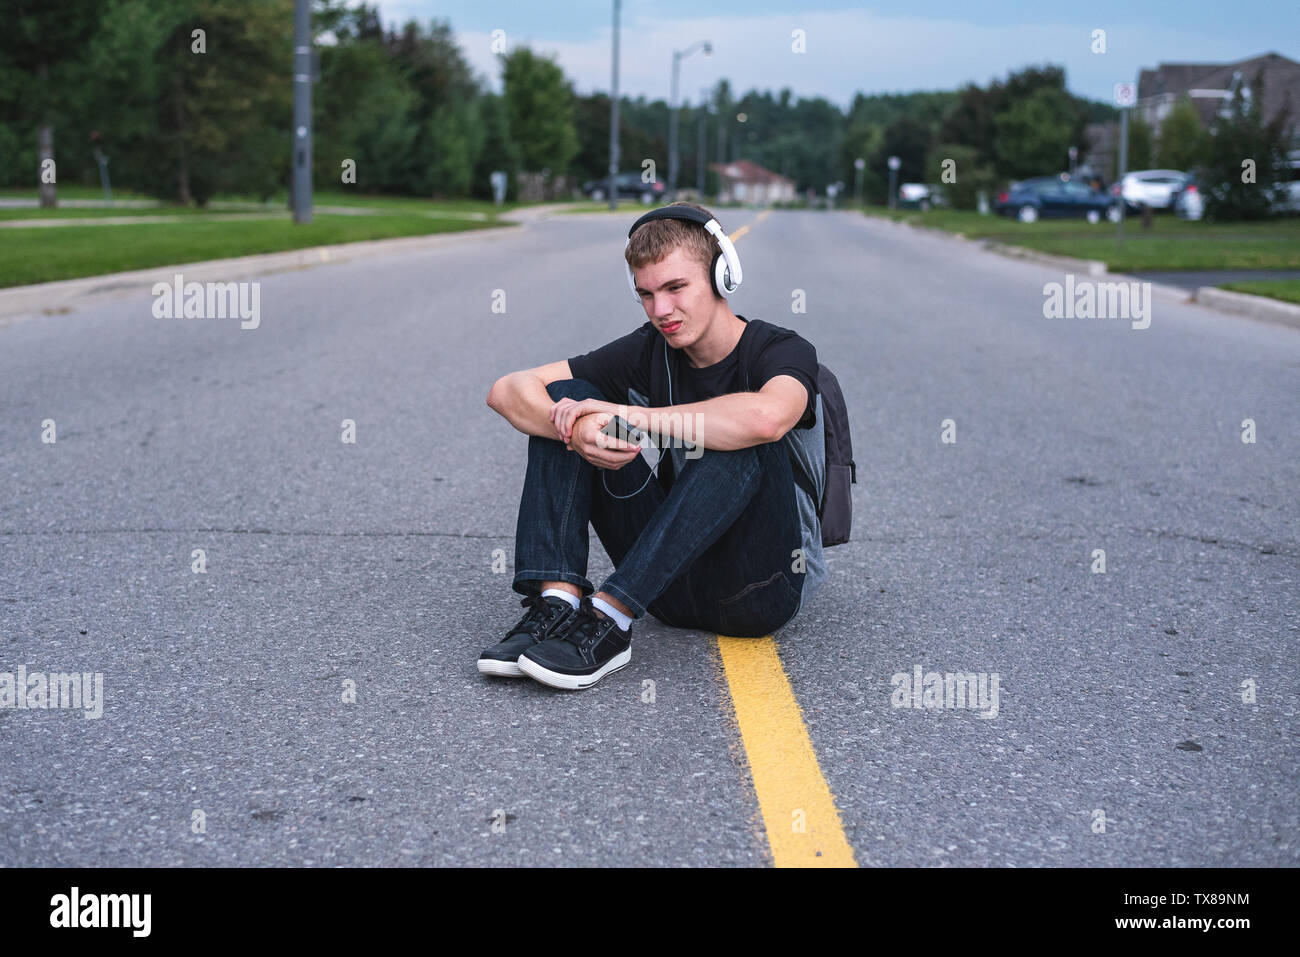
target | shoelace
x=581, y=635
x=540, y=615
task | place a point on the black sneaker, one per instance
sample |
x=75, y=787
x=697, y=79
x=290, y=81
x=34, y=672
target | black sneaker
x=584, y=649
x=543, y=617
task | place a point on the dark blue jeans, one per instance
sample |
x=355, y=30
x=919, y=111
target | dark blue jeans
x=714, y=552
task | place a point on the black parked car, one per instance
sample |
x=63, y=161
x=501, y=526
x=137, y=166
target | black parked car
x=1055, y=197
x=629, y=187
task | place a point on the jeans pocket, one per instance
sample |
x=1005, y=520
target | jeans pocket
x=759, y=608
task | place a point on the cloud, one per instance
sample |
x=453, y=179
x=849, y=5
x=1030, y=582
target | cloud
x=848, y=51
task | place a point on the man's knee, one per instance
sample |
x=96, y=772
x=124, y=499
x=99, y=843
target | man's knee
x=578, y=389
x=732, y=461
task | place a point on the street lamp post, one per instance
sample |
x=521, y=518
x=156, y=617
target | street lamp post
x=678, y=57
x=894, y=163
x=859, y=165
x=700, y=147
x=613, y=119
x=302, y=112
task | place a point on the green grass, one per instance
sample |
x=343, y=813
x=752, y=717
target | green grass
x=67, y=252
x=236, y=204
x=70, y=192
x=321, y=197
x=1288, y=290
x=1172, y=243
x=170, y=209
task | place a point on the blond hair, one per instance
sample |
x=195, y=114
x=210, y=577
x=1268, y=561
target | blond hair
x=656, y=240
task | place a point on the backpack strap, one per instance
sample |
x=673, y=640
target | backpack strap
x=801, y=478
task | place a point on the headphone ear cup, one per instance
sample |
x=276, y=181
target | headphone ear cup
x=718, y=275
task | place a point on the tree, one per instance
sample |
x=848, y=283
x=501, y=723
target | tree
x=909, y=140
x=1035, y=133
x=44, y=42
x=539, y=110
x=447, y=138
x=973, y=119
x=969, y=177
x=1246, y=170
x=1184, y=144
x=364, y=111
x=499, y=151
x=223, y=115
x=1139, y=144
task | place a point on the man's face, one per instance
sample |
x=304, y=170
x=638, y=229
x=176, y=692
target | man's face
x=677, y=296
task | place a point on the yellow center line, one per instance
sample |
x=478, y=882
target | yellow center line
x=799, y=814
x=745, y=229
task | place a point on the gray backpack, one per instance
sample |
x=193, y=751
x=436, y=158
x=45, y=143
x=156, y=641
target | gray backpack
x=835, y=504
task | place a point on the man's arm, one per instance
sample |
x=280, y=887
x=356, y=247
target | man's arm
x=521, y=397
x=733, y=421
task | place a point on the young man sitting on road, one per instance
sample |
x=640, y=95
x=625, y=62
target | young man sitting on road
x=713, y=537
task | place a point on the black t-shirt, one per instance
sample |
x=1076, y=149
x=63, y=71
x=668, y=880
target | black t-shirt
x=642, y=361
x=764, y=351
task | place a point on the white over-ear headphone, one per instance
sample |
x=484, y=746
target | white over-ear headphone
x=724, y=272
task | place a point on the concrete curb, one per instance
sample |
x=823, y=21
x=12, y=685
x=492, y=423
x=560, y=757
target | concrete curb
x=1158, y=289
x=68, y=294
x=1088, y=267
x=1244, y=304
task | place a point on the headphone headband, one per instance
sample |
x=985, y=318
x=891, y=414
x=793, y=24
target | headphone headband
x=724, y=274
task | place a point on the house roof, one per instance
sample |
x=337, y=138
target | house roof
x=747, y=172
x=1279, y=76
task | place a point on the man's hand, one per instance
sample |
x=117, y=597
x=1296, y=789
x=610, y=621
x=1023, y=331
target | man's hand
x=602, y=451
x=567, y=411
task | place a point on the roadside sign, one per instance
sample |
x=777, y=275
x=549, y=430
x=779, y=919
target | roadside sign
x=1125, y=94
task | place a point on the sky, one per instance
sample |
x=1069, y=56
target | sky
x=890, y=46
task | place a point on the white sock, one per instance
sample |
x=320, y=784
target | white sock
x=620, y=619
x=561, y=593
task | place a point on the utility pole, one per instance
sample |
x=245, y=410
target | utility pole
x=678, y=57
x=613, y=120
x=302, y=112
x=700, y=147
x=722, y=143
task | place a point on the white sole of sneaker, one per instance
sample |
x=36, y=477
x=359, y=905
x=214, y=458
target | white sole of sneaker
x=500, y=669
x=573, y=682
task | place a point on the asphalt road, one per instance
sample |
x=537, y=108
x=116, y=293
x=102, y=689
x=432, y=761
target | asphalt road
x=372, y=563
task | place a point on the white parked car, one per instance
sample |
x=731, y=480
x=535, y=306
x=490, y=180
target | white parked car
x=1152, y=187
x=918, y=196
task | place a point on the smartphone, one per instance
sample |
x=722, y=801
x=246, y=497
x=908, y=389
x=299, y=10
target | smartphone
x=619, y=428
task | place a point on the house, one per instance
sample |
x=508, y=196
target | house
x=1210, y=87
x=741, y=181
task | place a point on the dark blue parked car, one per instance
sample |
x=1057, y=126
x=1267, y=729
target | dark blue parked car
x=1055, y=197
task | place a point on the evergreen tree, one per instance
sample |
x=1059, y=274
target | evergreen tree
x=1247, y=169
